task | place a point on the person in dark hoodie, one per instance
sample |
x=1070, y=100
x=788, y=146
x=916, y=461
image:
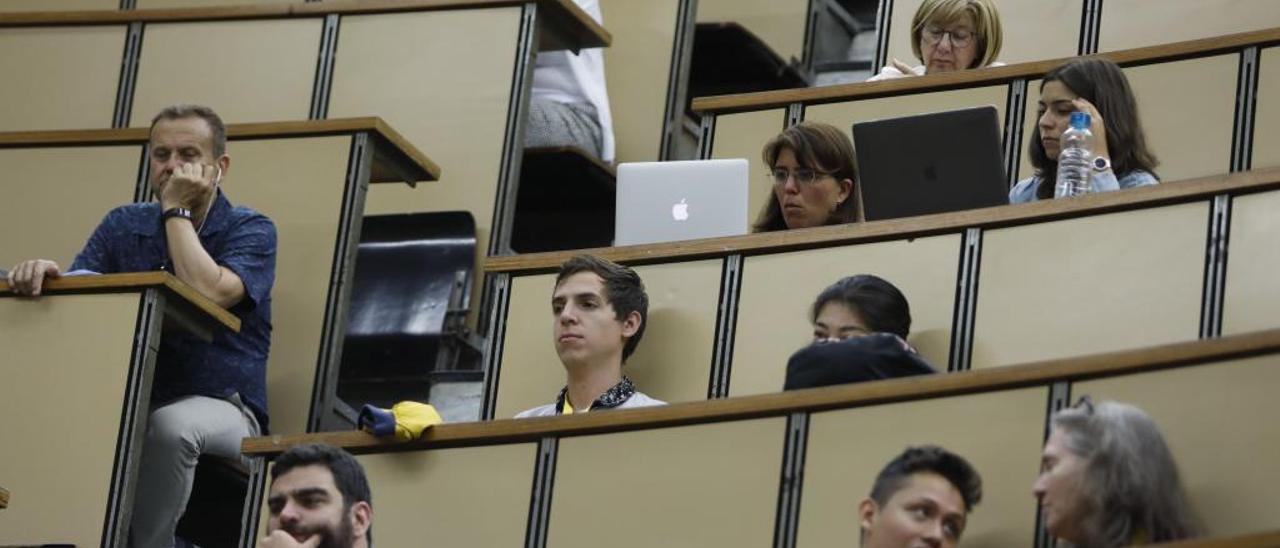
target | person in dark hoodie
x=860, y=328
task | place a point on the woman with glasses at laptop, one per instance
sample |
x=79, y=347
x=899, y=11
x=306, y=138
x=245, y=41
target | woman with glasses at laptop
x=1098, y=87
x=812, y=169
x=860, y=328
x=950, y=35
x=1107, y=479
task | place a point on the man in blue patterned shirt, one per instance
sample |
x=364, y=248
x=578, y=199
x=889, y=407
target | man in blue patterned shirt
x=205, y=396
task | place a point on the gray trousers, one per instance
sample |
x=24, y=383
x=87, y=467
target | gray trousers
x=553, y=124
x=177, y=434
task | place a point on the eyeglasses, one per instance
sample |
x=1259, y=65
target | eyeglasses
x=802, y=176
x=959, y=38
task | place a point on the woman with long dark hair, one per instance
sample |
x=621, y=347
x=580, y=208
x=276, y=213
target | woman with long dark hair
x=1098, y=87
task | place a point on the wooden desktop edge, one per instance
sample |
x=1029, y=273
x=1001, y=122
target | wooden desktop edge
x=784, y=403
x=564, y=17
x=727, y=104
x=1268, y=539
x=106, y=283
x=413, y=163
x=1190, y=190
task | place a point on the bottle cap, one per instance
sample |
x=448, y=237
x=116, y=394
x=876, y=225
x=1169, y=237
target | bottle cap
x=1081, y=120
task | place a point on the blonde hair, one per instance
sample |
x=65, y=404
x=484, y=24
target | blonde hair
x=986, y=21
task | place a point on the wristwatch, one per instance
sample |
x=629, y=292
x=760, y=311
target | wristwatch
x=1101, y=163
x=175, y=212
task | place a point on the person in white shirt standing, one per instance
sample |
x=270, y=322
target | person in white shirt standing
x=569, y=103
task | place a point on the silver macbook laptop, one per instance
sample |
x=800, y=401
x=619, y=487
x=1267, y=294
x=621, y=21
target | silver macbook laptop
x=670, y=201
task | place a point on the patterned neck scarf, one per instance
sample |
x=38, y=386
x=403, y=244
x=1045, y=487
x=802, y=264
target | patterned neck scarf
x=611, y=398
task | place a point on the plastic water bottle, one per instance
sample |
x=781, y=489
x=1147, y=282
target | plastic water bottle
x=1075, y=157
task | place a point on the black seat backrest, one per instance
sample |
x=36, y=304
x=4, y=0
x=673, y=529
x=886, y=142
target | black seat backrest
x=407, y=268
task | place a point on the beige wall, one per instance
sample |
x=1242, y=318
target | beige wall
x=1217, y=421
x=1033, y=30
x=475, y=496
x=1252, y=292
x=706, y=485
x=778, y=291
x=999, y=433
x=259, y=70
x=637, y=67
x=779, y=23
x=1266, y=129
x=1093, y=284
x=1189, y=141
x=672, y=362
x=460, y=125
x=1137, y=23
x=59, y=77
x=67, y=361
x=743, y=135
x=299, y=184
x=59, y=196
x=60, y=5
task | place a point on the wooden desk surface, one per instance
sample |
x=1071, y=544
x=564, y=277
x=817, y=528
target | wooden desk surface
x=1258, y=180
x=395, y=154
x=564, y=25
x=111, y=283
x=784, y=403
x=724, y=104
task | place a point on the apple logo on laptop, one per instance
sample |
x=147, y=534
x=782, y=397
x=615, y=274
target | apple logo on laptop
x=680, y=211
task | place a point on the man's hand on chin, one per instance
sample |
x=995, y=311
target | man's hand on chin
x=281, y=539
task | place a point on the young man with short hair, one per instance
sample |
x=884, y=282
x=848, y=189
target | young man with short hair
x=599, y=308
x=921, y=498
x=319, y=498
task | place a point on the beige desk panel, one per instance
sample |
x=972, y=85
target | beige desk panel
x=637, y=69
x=778, y=291
x=64, y=193
x=452, y=107
x=298, y=183
x=1252, y=289
x=779, y=23
x=1094, y=284
x=691, y=486
x=1266, y=129
x=999, y=433
x=59, y=77
x=1136, y=23
x=1219, y=422
x=1190, y=142
x=672, y=362
x=261, y=70
x=1030, y=119
x=743, y=135
x=452, y=497
x=152, y=4
x=57, y=468
x=844, y=115
x=60, y=5
x=1033, y=30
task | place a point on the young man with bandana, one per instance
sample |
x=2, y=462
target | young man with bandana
x=599, y=309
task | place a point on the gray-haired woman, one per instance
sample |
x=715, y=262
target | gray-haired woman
x=1107, y=479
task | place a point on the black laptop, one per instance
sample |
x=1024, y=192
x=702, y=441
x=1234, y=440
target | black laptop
x=930, y=163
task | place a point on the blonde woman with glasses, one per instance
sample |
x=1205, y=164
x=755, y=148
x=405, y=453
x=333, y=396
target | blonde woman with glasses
x=950, y=35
